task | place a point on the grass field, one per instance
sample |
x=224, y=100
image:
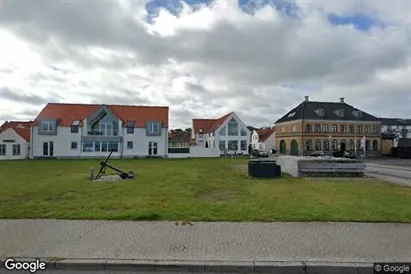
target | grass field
x=191, y=190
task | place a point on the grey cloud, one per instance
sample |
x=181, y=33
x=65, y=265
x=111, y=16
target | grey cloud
x=19, y=97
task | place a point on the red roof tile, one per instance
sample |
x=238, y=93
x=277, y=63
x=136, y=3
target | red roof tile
x=264, y=134
x=23, y=132
x=67, y=113
x=209, y=125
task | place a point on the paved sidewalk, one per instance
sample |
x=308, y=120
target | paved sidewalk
x=330, y=242
x=211, y=247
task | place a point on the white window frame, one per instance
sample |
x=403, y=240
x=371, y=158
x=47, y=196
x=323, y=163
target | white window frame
x=49, y=126
x=152, y=126
x=106, y=131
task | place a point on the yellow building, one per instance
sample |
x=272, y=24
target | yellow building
x=327, y=126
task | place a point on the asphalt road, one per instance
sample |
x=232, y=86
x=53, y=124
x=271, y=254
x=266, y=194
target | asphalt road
x=394, y=173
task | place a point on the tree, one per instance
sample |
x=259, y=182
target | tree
x=188, y=129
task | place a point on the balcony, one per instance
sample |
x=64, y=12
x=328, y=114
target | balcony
x=95, y=133
x=102, y=133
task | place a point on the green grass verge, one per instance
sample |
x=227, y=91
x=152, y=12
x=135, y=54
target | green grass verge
x=191, y=190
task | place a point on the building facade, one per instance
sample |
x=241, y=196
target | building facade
x=227, y=133
x=86, y=131
x=14, y=140
x=327, y=126
x=397, y=128
x=263, y=139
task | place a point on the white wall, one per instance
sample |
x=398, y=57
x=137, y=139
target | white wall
x=140, y=142
x=10, y=134
x=269, y=143
x=238, y=138
x=255, y=140
x=204, y=152
x=62, y=143
x=178, y=155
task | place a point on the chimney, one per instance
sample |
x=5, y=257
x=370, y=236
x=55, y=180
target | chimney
x=306, y=98
x=342, y=100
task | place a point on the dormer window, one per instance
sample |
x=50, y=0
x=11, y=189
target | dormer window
x=74, y=126
x=291, y=114
x=339, y=113
x=320, y=112
x=357, y=113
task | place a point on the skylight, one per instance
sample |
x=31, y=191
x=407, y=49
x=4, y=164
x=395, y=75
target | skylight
x=76, y=122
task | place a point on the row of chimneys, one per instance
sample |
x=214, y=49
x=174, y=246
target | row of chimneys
x=341, y=99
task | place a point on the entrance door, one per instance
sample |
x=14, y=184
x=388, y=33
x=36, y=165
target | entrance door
x=152, y=148
x=294, y=147
x=48, y=148
x=342, y=146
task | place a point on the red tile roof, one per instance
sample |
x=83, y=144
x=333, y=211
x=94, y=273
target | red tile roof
x=23, y=132
x=182, y=136
x=264, y=134
x=67, y=113
x=209, y=125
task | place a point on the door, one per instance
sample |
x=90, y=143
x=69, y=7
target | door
x=48, y=148
x=152, y=148
x=294, y=147
x=342, y=146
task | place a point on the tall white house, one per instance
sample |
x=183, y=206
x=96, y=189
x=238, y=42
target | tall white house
x=90, y=130
x=228, y=133
x=14, y=140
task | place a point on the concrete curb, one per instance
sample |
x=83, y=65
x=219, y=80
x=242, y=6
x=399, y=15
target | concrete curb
x=204, y=266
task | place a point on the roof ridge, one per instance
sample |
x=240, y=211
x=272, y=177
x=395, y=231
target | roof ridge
x=116, y=105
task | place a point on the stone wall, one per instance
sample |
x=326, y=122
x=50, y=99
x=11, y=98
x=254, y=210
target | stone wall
x=320, y=166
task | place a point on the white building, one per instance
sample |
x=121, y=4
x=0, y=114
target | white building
x=14, y=140
x=399, y=128
x=263, y=139
x=228, y=133
x=85, y=130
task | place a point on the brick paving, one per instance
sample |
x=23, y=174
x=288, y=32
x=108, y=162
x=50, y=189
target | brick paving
x=326, y=242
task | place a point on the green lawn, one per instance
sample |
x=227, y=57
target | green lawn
x=191, y=190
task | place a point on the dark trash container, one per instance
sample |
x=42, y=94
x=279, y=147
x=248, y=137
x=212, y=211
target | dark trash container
x=263, y=168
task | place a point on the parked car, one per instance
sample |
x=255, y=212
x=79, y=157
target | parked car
x=321, y=153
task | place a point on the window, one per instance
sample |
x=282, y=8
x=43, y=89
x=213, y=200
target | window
x=74, y=126
x=130, y=145
x=340, y=113
x=243, y=132
x=243, y=145
x=359, y=129
x=3, y=150
x=333, y=128
x=317, y=128
x=357, y=113
x=222, y=131
x=308, y=127
x=351, y=145
x=317, y=144
x=326, y=145
x=282, y=129
x=97, y=146
x=113, y=146
x=367, y=129
x=154, y=128
x=351, y=128
x=343, y=128
x=334, y=144
x=232, y=145
x=376, y=129
x=359, y=144
x=16, y=150
x=325, y=128
x=309, y=145
x=320, y=112
x=294, y=128
x=106, y=129
x=152, y=148
x=221, y=145
x=46, y=126
x=88, y=147
x=73, y=145
x=130, y=127
x=104, y=146
x=232, y=128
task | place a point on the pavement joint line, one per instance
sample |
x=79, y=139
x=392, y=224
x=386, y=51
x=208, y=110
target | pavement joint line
x=286, y=267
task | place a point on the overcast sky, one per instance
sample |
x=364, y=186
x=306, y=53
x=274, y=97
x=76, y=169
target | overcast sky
x=205, y=58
